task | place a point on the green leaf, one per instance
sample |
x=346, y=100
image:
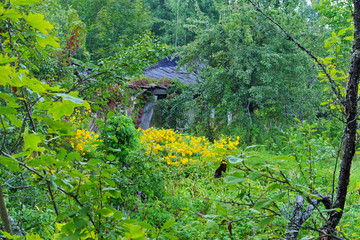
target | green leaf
x=5, y=72
x=5, y=59
x=11, y=101
x=111, y=157
x=253, y=146
x=84, y=210
x=31, y=83
x=255, y=175
x=73, y=156
x=168, y=224
x=31, y=142
x=264, y=222
x=6, y=110
x=333, y=34
x=33, y=236
x=235, y=160
x=350, y=38
x=10, y=164
x=62, y=127
x=168, y=236
x=15, y=120
x=114, y=139
x=329, y=58
x=213, y=225
x=37, y=21
x=9, y=236
x=23, y=2
x=221, y=210
x=146, y=225
x=60, y=109
x=313, y=196
x=96, y=108
x=219, y=150
x=233, y=179
x=47, y=40
x=331, y=210
x=261, y=203
x=110, y=114
x=67, y=97
x=106, y=211
x=288, y=158
x=279, y=197
x=79, y=223
x=273, y=187
x=342, y=31
x=13, y=14
x=118, y=215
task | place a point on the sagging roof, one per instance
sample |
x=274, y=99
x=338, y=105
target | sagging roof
x=168, y=68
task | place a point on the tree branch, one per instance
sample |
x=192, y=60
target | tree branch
x=333, y=85
x=43, y=177
x=351, y=110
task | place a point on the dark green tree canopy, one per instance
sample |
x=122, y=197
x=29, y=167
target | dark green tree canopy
x=250, y=65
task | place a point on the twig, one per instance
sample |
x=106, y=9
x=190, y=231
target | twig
x=22, y=201
x=28, y=112
x=232, y=202
x=2, y=47
x=238, y=220
x=43, y=177
x=5, y=132
x=52, y=197
x=20, y=135
x=21, y=187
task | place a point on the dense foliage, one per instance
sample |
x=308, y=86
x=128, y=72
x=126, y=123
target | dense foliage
x=262, y=146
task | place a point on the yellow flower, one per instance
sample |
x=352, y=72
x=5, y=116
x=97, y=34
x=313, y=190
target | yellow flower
x=169, y=145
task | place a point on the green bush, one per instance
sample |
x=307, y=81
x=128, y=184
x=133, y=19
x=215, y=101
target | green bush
x=119, y=137
x=137, y=173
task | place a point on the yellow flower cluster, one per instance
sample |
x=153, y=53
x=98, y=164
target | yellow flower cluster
x=176, y=148
x=79, y=117
x=83, y=140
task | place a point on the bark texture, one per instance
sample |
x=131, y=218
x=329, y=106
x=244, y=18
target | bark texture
x=351, y=123
x=351, y=111
x=3, y=212
x=299, y=216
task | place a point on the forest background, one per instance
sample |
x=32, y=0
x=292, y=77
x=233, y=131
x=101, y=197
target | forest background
x=74, y=166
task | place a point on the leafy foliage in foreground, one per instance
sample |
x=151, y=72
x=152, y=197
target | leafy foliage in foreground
x=37, y=149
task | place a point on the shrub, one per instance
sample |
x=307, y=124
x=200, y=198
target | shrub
x=119, y=137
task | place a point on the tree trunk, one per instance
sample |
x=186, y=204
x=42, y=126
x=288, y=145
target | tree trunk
x=351, y=123
x=351, y=110
x=3, y=212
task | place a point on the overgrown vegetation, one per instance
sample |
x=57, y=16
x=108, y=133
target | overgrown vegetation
x=263, y=146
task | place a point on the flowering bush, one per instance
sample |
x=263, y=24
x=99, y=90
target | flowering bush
x=79, y=119
x=84, y=141
x=176, y=148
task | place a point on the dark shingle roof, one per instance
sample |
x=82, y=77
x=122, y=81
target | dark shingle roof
x=168, y=68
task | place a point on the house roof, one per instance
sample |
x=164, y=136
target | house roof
x=168, y=68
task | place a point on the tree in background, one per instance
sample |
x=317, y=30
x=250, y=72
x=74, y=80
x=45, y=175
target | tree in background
x=172, y=19
x=111, y=24
x=250, y=70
